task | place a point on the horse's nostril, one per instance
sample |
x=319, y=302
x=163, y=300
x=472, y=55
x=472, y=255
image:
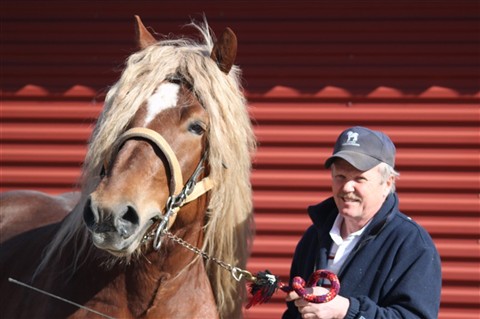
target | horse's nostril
x=128, y=222
x=131, y=216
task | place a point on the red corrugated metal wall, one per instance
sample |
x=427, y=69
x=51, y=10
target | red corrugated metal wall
x=311, y=69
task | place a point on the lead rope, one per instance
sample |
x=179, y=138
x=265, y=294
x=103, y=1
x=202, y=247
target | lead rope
x=264, y=284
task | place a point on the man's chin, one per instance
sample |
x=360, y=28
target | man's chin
x=348, y=212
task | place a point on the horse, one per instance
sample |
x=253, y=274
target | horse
x=164, y=214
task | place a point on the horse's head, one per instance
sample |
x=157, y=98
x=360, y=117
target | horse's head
x=152, y=165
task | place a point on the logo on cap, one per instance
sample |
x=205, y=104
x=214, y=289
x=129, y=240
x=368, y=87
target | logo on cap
x=352, y=139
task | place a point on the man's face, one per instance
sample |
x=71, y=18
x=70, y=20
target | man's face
x=358, y=195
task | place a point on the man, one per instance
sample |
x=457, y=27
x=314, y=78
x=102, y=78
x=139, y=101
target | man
x=387, y=264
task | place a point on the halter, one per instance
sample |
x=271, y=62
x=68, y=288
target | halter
x=179, y=195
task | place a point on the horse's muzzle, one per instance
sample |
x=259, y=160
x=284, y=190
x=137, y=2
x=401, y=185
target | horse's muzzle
x=123, y=222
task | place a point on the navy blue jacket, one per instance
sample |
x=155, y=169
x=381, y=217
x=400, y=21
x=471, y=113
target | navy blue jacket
x=393, y=272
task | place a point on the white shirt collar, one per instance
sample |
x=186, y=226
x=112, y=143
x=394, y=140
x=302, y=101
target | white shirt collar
x=336, y=232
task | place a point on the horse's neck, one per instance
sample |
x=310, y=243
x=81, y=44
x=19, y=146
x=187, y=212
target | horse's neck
x=159, y=281
x=186, y=287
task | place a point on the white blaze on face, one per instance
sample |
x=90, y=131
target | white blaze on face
x=166, y=96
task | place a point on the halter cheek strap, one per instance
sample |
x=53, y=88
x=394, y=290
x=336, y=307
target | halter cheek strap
x=180, y=194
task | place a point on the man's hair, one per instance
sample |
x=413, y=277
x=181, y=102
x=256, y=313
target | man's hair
x=386, y=171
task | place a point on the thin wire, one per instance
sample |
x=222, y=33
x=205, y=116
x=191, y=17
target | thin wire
x=57, y=297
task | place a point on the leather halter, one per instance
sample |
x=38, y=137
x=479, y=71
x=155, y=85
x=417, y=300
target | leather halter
x=180, y=193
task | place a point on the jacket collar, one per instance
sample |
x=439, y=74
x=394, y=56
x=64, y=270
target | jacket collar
x=323, y=215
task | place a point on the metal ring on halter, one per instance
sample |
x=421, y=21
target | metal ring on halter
x=173, y=203
x=157, y=242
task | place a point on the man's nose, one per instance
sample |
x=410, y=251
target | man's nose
x=349, y=186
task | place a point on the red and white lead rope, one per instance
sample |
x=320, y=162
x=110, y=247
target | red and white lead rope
x=265, y=284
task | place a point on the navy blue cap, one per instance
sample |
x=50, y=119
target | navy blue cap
x=363, y=148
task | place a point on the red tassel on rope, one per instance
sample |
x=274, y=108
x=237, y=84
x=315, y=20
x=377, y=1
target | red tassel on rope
x=263, y=288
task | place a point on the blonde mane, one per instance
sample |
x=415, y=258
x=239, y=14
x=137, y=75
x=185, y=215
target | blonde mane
x=229, y=229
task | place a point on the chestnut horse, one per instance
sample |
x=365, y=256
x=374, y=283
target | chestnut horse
x=169, y=158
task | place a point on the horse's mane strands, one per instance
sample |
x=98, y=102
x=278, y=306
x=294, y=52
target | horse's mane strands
x=231, y=145
x=207, y=35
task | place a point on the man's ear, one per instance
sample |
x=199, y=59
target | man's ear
x=389, y=184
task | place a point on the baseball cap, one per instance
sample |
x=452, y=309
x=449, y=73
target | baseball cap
x=363, y=148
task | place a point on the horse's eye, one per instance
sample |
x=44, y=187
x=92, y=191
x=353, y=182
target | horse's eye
x=176, y=80
x=196, y=128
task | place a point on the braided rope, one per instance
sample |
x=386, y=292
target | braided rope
x=298, y=285
x=265, y=284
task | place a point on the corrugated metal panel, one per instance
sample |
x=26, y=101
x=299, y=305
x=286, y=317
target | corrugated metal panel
x=410, y=68
x=409, y=45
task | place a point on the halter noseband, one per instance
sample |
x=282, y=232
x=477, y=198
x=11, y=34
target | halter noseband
x=179, y=195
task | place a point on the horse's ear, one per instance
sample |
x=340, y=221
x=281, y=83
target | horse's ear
x=144, y=37
x=225, y=50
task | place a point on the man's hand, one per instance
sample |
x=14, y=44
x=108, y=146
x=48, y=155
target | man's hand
x=336, y=308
